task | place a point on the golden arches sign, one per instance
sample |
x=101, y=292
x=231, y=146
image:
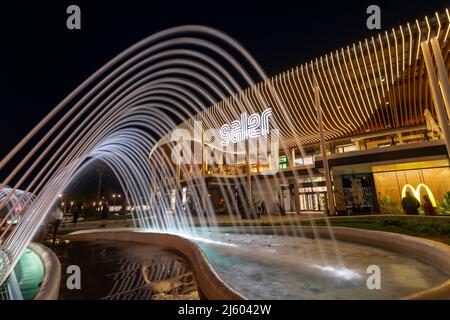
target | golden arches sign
x=416, y=192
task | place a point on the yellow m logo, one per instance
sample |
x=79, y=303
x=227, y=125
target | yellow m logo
x=416, y=192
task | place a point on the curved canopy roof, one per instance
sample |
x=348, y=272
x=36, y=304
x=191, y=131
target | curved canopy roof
x=376, y=84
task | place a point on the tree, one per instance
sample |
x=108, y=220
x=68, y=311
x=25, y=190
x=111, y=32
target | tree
x=101, y=170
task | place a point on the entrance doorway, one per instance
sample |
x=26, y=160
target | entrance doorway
x=313, y=194
x=287, y=200
x=359, y=191
x=313, y=200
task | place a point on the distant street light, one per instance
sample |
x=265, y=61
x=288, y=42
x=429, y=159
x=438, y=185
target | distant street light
x=115, y=198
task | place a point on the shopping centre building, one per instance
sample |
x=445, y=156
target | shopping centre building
x=377, y=106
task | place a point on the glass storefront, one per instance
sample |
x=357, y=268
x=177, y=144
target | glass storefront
x=364, y=190
x=311, y=198
x=418, y=177
x=359, y=193
x=314, y=200
x=283, y=163
x=313, y=194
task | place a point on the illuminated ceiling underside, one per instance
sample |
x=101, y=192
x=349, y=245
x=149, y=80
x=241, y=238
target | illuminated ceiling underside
x=376, y=84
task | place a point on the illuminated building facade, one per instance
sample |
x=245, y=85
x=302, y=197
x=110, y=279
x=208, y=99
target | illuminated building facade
x=382, y=125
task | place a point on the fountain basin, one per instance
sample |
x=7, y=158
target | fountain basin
x=36, y=276
x=49, y=287
x=213, y=287
x=210, y=285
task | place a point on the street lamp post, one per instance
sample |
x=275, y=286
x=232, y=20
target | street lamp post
x=115, y=197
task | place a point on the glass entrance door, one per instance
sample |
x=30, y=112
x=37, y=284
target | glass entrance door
x=287, y=195
x=313, y=201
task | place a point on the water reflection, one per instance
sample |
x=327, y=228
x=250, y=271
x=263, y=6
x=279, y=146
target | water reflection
x=126, y=271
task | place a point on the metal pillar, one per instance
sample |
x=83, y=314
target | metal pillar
x=203, y=183
x=436, y=94
x=178, y=198
x=442, y=73
x=249, y=180
x=296, y=186
x=323, y=148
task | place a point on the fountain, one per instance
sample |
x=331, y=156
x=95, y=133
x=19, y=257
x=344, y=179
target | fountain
x=124, y=116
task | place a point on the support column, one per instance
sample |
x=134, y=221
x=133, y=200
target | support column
x=442, y=74
x=235, y=171
x=436, y=94
x=249, y=180
x=296, y=186
x=154, y=184
x=178, y=196
x=323, y=148
x=339, y=193
x=292, y=151
x=203, y=184
x=400, y=138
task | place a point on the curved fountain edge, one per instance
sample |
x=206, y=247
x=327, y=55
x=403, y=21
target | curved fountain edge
x=52, y=277
x=212, y=287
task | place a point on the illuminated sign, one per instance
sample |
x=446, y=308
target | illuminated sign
x=247, y=127
x=416, y=192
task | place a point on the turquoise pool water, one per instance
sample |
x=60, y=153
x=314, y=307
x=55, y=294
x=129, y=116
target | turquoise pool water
x=30, y=273
x=25, y=281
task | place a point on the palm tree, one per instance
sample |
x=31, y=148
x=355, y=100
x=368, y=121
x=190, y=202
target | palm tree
x=101, y=170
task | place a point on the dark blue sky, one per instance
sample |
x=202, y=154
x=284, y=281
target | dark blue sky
x=41, y=61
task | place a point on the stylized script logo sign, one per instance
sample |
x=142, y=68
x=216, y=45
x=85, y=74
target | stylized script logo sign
x=220, y=146
x=416, y=192
x=247, y=127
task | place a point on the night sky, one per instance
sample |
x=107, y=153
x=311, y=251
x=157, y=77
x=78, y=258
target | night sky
x=42, y=61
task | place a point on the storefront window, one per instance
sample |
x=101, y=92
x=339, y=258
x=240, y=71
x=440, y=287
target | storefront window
x=299, y=161
x=390, y=183
x=347, y=148
x=283, y=162
x=359, y=192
